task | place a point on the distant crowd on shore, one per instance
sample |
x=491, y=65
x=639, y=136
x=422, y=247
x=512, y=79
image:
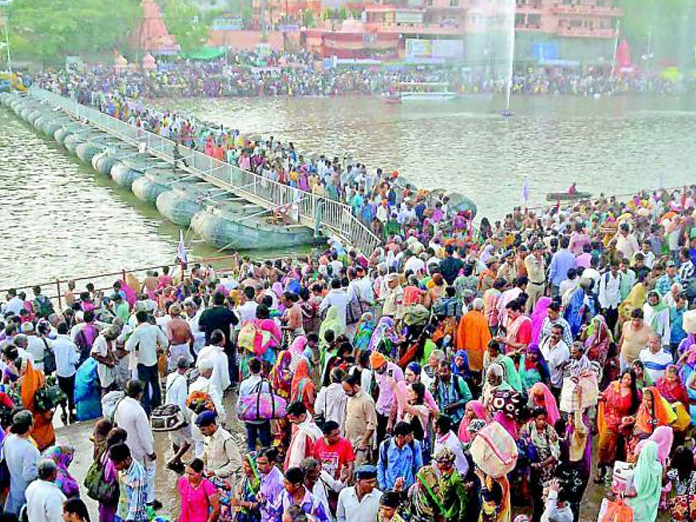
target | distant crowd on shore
x=301, y=74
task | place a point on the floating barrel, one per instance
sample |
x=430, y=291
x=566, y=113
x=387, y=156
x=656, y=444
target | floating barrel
x=155, y=181
x=179, y=205
x=123, y=175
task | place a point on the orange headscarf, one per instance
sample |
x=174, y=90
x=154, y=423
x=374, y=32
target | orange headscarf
x=662, y=414
x=303, y=388
x=31, y=381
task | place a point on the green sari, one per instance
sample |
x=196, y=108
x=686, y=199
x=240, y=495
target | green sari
x=647, y=481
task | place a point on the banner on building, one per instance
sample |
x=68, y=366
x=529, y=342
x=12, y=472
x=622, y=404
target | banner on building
x=443, y=49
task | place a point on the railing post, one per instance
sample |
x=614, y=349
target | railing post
x=60, y=298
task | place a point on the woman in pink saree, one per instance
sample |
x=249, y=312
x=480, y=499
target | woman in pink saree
x=541, y=397
x=474, y=410
x=538, y=315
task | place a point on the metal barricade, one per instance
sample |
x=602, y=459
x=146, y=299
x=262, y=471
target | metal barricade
x=332, y=215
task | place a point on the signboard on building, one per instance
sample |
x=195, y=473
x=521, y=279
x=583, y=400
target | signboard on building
x=408, y=17
x=228, y=24
x=443, y=49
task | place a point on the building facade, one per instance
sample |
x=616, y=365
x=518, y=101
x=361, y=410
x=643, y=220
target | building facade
x=553, y=32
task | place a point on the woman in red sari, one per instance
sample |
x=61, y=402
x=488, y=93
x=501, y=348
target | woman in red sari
x=620, y=399
x=597, y=338
x=653, y=412
x=671, y=387
x=673, y=390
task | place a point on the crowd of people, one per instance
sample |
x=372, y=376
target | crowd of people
x=301, y=74
x=379, y=198
x=442, y=378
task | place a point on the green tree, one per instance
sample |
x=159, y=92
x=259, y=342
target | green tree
x=308, y=18
x=49, y=31
x=186, y=23
x=342, y=14
x=660, y=29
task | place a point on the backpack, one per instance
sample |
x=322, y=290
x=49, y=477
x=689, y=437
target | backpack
x=167, y=417
x=49, y=360
x=98, y=488
x=110, y=402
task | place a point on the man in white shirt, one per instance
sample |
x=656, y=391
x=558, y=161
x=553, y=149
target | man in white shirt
x=654, y=358
x=331, y=400
x=336, y=297
x=610, y=294
x=44, y=497
x=203, y=384
x=176, y=392
x=592, y=272
x=413, y=263
x=14, y=304
x=247, y=310
x=626, y=242
x=130, y=415
x=557, y=354
x=193, y=314
x=259, y=429
x=360, y=502
x=215, y=352
x=67, y=357
x=147, y=341
x=35, y=345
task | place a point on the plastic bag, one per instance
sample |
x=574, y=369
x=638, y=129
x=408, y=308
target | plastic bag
x=615, y=511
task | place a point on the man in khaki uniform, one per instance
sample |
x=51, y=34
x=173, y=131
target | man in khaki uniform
x=536, y=272
x=361, y=419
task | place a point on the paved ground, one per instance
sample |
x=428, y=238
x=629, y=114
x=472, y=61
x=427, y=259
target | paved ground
x=78, y=436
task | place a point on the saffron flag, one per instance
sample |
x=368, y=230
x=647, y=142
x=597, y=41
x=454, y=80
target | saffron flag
x=181, y=256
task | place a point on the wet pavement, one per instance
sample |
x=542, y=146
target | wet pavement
x=78, y=435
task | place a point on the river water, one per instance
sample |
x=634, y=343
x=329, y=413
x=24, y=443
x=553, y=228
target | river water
x=61, y=219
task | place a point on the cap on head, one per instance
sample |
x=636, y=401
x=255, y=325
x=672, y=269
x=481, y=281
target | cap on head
x=366, y=472
x=206, y=418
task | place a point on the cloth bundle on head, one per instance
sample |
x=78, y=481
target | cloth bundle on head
x=445, y=455
x=689, y=321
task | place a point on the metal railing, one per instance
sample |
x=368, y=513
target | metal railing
x=311, y=209
x=104, y=281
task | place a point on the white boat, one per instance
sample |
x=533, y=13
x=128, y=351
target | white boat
x=425, y=91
